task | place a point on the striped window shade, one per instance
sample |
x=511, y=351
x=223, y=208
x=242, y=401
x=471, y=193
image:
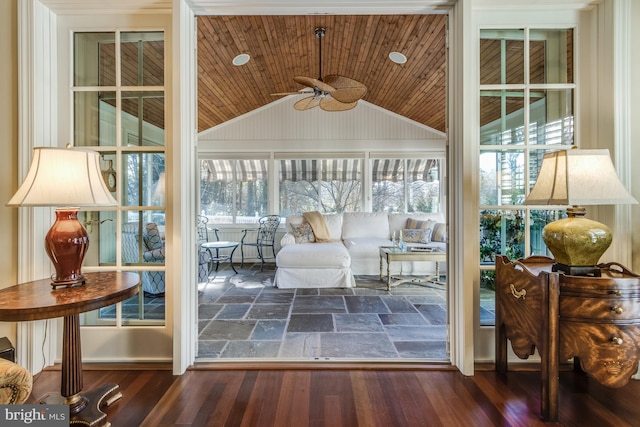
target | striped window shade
x=223, y=170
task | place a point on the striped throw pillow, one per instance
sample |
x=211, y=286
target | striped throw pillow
x=414, y=224
x=439, y=232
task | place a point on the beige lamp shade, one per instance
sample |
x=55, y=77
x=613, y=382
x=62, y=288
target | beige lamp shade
x=63, y=177
x=578, y=177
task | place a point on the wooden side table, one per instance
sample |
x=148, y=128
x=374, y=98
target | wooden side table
x=37, y=300
x=594, y=320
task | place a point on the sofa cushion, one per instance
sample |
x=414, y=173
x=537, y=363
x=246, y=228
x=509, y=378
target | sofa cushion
x=365, y=247
x=314, y=255
x=15, y=383
x=399, y=221
x=439, y=232
x=417, y=224
x=361, y=224
x=303, y=233
x=334, y=224
x=416, y=235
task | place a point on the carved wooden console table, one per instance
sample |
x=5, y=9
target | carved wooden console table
x=595, y=320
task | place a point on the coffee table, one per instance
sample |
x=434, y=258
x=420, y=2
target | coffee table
x=216, y=246
x=392, y=254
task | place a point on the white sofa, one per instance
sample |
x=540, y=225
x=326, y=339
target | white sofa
x=354, y=251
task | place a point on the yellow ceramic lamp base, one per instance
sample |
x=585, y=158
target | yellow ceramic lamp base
x=577, y=241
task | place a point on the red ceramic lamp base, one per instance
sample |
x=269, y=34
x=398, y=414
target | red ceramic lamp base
x=66, y=244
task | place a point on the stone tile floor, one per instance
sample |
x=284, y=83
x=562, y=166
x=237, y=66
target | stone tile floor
x=243, y=317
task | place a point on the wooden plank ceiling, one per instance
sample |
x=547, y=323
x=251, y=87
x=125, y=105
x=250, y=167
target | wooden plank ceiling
x=357, y=47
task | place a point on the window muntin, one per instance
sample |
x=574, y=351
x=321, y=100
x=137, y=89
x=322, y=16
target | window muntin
x=118, y=103
x=520, y=119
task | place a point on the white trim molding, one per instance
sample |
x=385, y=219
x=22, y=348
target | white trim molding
x=37, y=127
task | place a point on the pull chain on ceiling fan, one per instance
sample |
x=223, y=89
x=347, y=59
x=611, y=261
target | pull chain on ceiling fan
x=331, y=93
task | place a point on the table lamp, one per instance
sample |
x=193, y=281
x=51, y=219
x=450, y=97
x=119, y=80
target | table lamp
x=69, y=177
x=577, y=178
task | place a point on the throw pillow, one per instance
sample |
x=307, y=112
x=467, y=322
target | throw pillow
x=416, y=235
x=439, y=232
x=416, y=223
x=303, y=233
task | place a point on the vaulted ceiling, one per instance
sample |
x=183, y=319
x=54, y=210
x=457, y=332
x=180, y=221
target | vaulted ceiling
x=355, y=46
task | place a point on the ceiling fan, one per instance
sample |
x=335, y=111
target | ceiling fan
x=333, y=93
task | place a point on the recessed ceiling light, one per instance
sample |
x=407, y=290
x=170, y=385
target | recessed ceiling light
x=397, y=57
x=241, y=59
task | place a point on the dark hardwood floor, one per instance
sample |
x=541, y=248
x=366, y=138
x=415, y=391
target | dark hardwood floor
x=370, y=396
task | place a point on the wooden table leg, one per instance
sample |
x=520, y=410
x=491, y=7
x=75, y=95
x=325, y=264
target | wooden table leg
x=84, y=409
x=388, y=275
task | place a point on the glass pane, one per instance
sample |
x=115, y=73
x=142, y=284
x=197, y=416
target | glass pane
x=551, y=56
x=540, y=218
x=501, y=57
x=143, y=115
x=216, y=190
x=143, y=243
x=502, y=177
x=502, y=117
x=551, y=117
x=94, y=116
x=139, y=310
x=341, y=186
x=86, y=48
x=299, y=187
x=501, y=233
x=143, y=184
x=142, y=55
x=487, y=297
x=109, y=173
x=388, y=181
x=423, y=180
x=252, y=192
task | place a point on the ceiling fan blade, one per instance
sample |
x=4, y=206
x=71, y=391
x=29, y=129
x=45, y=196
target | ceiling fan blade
x=300, y=92
x=346, y=90
x=307, y=103
x=330, y=104
x=313, y=83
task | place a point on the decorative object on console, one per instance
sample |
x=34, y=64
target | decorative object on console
x=577, y=177
x=68, y=177
x=109, y=176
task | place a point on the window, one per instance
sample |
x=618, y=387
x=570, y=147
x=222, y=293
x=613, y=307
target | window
x=237, y=191
x=118, y=110
x=325, y=185
x=526, y=109
x=406, y=185
x=234, y=191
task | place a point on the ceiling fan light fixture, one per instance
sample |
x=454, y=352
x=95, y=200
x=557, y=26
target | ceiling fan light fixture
x=397, y=57
x=241, y=59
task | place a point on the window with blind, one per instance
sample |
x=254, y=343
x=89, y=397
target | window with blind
x=405, y=185
x=236, y=191
x=325, y=185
